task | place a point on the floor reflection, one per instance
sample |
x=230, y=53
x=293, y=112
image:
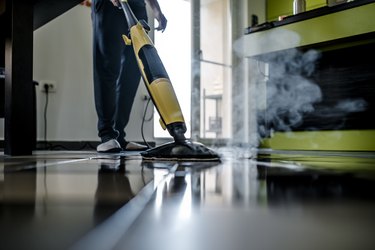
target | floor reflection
x=113, y=190
x=264, y=201
x=17, y=209
x=259, y=204
x=50, y=202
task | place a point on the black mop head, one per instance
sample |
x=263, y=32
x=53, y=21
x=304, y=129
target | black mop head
x=181, y=151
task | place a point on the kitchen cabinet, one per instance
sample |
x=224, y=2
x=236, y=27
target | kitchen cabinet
x=318, y=76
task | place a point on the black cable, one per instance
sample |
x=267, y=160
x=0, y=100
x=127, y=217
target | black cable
x=45, y=116
x=143, y=122
x=151, y=116
x=82, y=147
x=52, y=146
x=49, y=145
x=46, y=87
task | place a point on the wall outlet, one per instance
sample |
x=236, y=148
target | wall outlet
x=51, y=85
x=145, y=97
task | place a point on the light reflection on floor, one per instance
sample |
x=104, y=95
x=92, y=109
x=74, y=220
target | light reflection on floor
x=272, y=200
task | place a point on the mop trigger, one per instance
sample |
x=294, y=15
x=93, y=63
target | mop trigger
x=127, y=40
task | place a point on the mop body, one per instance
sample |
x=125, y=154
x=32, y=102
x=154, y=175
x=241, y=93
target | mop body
x=163, y=96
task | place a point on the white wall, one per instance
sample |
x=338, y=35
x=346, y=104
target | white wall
x=62, y=53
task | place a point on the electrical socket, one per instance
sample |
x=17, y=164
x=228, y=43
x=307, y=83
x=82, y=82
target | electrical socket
x=51, y=86
x=146, y=97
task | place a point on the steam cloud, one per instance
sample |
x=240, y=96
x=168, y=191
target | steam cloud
x=290, y=93
x=283, y=87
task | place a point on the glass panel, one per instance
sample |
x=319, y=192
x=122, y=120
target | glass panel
x=215, y=37
x=174, y=49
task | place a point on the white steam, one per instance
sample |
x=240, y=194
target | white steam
x=350, y=106
x=281, y=88
x=290, y=94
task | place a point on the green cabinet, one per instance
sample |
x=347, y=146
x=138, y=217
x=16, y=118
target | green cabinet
x=339, y=117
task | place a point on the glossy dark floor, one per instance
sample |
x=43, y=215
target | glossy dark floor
x=249, y=200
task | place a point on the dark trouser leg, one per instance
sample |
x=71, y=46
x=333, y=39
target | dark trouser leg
x=108, y=26
x=128, y=83
x=127, y=88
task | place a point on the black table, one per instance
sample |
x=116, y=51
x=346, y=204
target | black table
x=17, y=24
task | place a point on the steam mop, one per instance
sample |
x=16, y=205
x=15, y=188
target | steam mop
x=163, y=96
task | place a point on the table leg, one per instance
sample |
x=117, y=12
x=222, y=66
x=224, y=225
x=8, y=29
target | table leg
x=19, y=109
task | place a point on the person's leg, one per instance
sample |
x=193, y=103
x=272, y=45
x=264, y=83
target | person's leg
x=128, y=83
x=107, y=47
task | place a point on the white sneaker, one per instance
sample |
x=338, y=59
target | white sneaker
x=111, y=146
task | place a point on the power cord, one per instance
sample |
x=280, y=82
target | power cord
x=143, y=122
x=46, y=89
x=85, y=145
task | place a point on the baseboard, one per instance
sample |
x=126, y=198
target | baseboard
x=68, y=145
